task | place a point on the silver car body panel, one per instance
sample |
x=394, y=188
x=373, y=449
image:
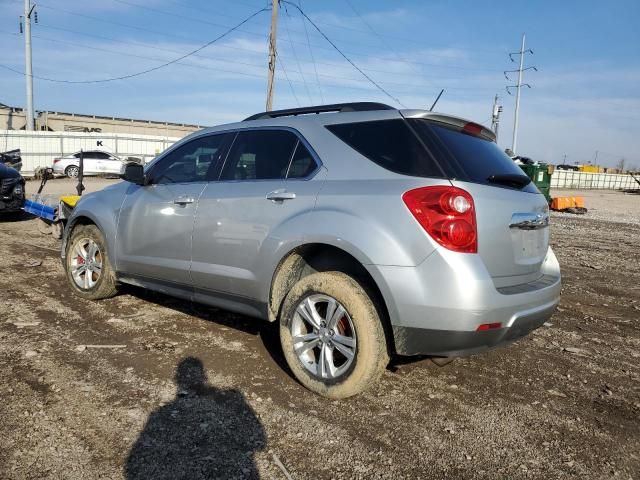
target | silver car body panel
x=224, y=247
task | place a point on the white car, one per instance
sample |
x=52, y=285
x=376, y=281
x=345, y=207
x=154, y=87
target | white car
x=95, y=162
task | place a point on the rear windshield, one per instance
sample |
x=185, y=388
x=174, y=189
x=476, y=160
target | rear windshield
x=399, y=146
x=467, y=157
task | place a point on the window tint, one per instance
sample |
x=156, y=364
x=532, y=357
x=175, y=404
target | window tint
x=390, y=144
x=470, y=158
x=302, y=164
x=190, y=162
x=259, y=155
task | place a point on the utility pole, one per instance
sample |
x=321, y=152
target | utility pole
x=518, y=87
x=495, y=116
x=272, y=53
x=28, y=10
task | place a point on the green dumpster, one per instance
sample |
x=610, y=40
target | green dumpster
x=540, y=175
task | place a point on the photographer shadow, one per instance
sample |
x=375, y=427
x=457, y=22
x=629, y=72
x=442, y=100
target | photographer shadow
x=204, y=433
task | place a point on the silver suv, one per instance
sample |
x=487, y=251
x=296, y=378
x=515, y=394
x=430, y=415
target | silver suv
x=363, y=230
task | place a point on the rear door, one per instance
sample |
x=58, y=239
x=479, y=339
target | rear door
x=234, y=233
x=90, y=162
x=511, y=214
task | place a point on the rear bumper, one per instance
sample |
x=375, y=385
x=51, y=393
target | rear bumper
x=452, y=343
x=436, y=307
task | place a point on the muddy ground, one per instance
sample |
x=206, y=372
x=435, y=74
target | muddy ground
x=194, y=392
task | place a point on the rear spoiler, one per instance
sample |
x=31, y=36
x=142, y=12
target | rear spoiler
x=467, y=126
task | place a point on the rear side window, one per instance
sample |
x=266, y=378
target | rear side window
x=302, y=164
x=259, y=155
x=390, y=144
x=465, y=156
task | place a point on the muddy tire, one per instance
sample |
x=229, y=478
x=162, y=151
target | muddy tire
x=87, y=263
x=332, y=336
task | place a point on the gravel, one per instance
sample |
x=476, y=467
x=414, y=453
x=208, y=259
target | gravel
x=204, y=393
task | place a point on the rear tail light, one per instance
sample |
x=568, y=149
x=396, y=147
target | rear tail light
x=56, y=160
x=447, y=214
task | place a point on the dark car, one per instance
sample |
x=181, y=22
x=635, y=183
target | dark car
x=11, y=189
x=575, y=168
x=12, y=159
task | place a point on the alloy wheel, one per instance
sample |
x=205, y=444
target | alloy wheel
x=86, y=263
x=324, y=338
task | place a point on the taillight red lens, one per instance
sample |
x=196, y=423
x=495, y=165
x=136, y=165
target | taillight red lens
x=447, y=214
x=56, y=160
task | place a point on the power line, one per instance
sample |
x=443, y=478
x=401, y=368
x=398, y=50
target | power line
x=374, y=32
x=373, y=82
x=158, y=67
x=412, y=41
x=218, y=69
x=350, y=52
x=284, y=70
x=295, y=56
x=313, y=60
x=155, y=47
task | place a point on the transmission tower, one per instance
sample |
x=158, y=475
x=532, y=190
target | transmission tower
x=518, y=87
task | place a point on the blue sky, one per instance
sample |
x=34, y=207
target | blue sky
x=584, y=97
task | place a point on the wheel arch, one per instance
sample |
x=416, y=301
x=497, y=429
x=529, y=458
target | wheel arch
x=309, y=258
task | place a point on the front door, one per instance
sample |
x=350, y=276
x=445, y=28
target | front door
x=156, y=220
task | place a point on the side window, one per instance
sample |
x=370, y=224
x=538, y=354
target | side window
x=302, y=164
x=100, y=155
x=259, y=155
x=190, y=162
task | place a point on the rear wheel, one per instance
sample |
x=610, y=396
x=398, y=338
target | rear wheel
x=332, y=336
x=89, y=270
x=72, y=171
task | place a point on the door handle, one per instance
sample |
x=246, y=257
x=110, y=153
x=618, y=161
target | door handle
x=279, y=195
x=183, y=200
x=529, y=221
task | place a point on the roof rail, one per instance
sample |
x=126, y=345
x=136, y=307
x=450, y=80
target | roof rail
x=335, y=107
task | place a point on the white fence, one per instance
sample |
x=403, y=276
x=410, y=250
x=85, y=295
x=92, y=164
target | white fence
x=38, y=149
x=588, y=181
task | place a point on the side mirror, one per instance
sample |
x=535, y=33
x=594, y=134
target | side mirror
x=134, y=173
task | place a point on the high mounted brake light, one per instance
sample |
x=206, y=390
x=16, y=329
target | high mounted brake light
x=447, y=214
x=472, y=129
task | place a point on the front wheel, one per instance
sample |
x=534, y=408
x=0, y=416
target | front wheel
x=89, y=270
x=332, y=336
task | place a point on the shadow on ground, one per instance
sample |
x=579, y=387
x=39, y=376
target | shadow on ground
x=205, y=432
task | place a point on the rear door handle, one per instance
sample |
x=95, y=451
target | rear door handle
x=529, y=221
x=183, y=200
x=279, y=195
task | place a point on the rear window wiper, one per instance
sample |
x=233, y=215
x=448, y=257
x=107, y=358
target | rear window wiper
x=510, y=179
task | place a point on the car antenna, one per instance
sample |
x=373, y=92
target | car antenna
x=436, y=101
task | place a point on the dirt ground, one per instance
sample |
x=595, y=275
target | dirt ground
x=193, y=392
